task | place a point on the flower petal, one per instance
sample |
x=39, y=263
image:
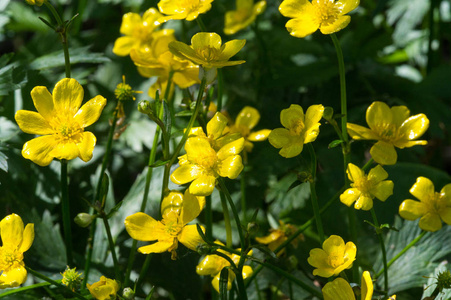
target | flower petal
x=339, y=289
x=13, y=277
x=43, y=101
x=211, y=265
x=364, y=202
x=231, y=149
x=32, y=122
x=423, y=189
x=358, y=132
x=67, y=96
x=86, y=146
x=65, y=150
x=334, y=244
x=130, y=23
x=203, y=40
x=302, y=27
x=231, y=167
x=378, y=113
x=248, y=117
x=142, y=227
x=28, y=237
x=294, y=8
x=412, y=210
x=354, y=172
x=158, y=247
x=191, y=207
x=185, y=174
x=11, y=231
x=400, y=114
x=367, y=286
x=350, y=196
x=203, y=185
x=258, y=136
x=445, y=215
x=340, y=23
x=384, y=153
x=430, y=222
x=216, y=125
x=273, y=236
x=377, y=174
x=90, y=111
x=414, y=127
x=349, y=5
x=231, y=48
x=279, y=137
x=293, y=149
x=38, y=150
x=184, y=51
x=123, y=45
x=190, y=237
x=312, y=117
x=292, y=116
x=383, y=190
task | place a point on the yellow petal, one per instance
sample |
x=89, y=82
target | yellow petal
x=445, y=215
x=414, y=127
x=354, y=172
x=13, y=277
x=333, y=243
x=231, y=149
x=258, y=136
x=340, y=23
x=65, y=150
x=184, y=51
x=423, y=189
x=216, y=125
x=294, y=8
x=293, y=149
x=311, y=134
x=377, y=174
x=318, y=258
x=364, y=202
x=186, y=78
x=130, y=23
x=67, y=96
x=302, y=26
x=123, y=45
x=28, y=237
x=383, y=190
x=158, y=247
x=400, y=114
x=350, y=252
x=273, y=236
x=247, y=271
x=367, y=286
x=216, y=279
x=378, y=113
x=185, y=174
x=231, y=48
x=350, y=196
x=231, y=167
x=191, y=207
x=248, y=117
x=203, y=40
x=142, y=227
x=358, y=132
x=292, y=116
x=430, y=222
x=279, y=137
x=86, y=146
x=211, y=265
x=203, y=186
x=412, y=210
x=190, y=237
x=38, y=150
x=43, y=101
x=312, y=117
x=11, y=231
x=339, y=289
x=384, y=153
x=32, y=122
x=90, y=111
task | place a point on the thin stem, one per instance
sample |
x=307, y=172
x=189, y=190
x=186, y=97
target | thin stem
x=24, y=288
x=201, y=24
x=243, y=193
x=314, y=197
x=208, y=218
x=220, y=88
x=228, y=226
x=384, y=253
x=66, y=213
x=410, y=245
x=51, y=281
x=112, y=246
x=144, y=270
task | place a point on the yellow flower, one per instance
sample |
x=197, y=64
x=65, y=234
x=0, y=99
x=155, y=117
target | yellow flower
x=244, y=15
x=61, y=121
x=16, y=240
x=433, y=207
x=35, y=2
x=213, y=265
x=278, y=236
x=246, y=120
x=339, y=289
x=333, y=258
x=299, y=129
x=168, y=232
x=138, y=31
x=209, y=156
x=208, y=51
x=391, y=127
x=365, y=188
x=329, y=16
x=183, y=9
x=104, y=289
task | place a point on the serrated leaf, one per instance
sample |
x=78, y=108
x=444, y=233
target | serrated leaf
x=12, y=77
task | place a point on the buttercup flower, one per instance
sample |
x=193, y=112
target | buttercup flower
x=209, y=156
x=278, y=236
x=35, y=2
x=299, y=129
x=365, y=188
x=433, y=207
x=246, y=120
x=329, y=16
x=244, y=15
x=61, y=121
x=168, y=232
x=183, y=9
x=333, y=258
x=138, y=31
x=391, y=127
x=15, y=241
x=213, y=265
x=207, y=50
x=104, y=289
x=339, y=289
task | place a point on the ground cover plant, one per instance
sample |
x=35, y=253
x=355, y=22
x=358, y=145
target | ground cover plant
x=213, y=149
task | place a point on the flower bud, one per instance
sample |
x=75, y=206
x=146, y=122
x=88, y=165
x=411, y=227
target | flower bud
x=72, y=279
x=128, y=294
x=35, y=2
x=328, y=113
x=124, y=92
x=84, y=219
x=444, y=280
x=145, y=107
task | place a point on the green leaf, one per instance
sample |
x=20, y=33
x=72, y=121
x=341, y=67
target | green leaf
x=114, y=210
x=223, y=280
x=159, y=163
x=104, y=189
x=335, y=143
x=12, y=77
x=184, y=113
x=167, y=119
x=3, y=162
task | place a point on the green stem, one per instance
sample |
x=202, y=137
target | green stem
x=23, y=289
x=112, y=246
x=368, y=164
x=220, y=88
x=208, y=218
x=234, y=211
x=201, y=24
x=410, y=245
x=228, y=226
x=243, y=193
x=314, y=197
x=57, y=283
x=66, y=213
x=384, y=253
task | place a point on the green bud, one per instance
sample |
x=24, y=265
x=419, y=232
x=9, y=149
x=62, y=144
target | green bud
x=128, y=294
x=204, y=249
x=84, y=219
x=124, y=92
x=72, y=279
x=328, y=113
x=444, y=280
x=145, y=107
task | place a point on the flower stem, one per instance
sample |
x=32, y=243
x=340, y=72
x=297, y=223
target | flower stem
x=410, y=245
x=228, y=226
x=384, y=253
x=208, y=218
x=201, y=24
x=66, y=213
x=314, y=197
x=112, y=246
x=24, y=288
x=51, y=281
x=220, y=88
x=243, y=193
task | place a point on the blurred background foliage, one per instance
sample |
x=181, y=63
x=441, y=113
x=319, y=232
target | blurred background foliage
x=395, y=51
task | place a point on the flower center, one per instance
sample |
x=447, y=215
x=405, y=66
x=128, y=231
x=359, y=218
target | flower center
x=8, y=257
x=335, y=260
x=297, y=127
x=207, y=158
x=436, y=203
x=326, y=11
x=188, y=5
x=171, y=224
x=362, y=184
x=208, y=53
x=388, y=132
x=65, y=128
